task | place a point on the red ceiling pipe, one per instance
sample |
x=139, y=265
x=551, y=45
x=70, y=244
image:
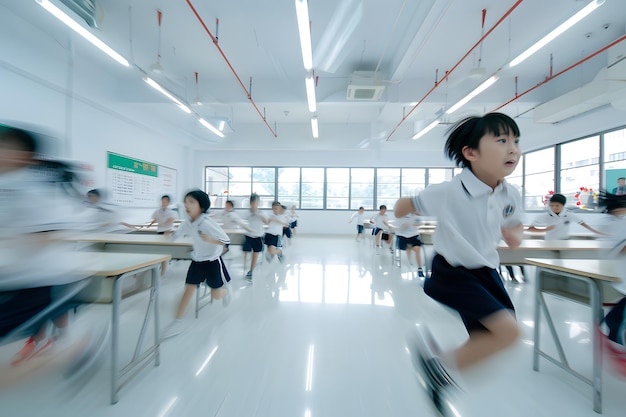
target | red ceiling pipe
x=517, y=3
x=552, y=77
x=230, y=66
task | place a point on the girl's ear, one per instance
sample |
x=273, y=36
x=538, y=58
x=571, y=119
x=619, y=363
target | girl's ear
x=469, y=154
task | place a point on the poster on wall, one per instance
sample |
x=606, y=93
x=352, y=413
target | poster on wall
x=133, y=182
x=616, y=181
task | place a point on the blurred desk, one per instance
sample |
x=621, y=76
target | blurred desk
x=119, y=267
x=581, y=281
x=551, y=249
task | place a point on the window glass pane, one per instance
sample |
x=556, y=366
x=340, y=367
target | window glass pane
x=337, y=188
x=580, y=176
x=614, y=159
x=362, y=188
x=312, y=188
x=215, y=183
x=387, y=186
x=438, y=175
x=263, y=182
x=539, y=178
x=289, y=186
x=239, y=187
x=413, y=181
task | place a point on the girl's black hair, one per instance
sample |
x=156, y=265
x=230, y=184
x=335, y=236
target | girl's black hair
x=610, y=201
x=202, y=198
x=166, y=196
x=467, y=132
x=25, y=141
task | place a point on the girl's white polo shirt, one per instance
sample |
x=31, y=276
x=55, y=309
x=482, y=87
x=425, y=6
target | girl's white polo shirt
x=470, y=216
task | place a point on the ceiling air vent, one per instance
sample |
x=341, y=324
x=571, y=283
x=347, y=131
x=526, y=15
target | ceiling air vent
x=365, y=85
x=86, y=9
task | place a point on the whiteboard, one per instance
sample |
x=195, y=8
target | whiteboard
x=137, y=183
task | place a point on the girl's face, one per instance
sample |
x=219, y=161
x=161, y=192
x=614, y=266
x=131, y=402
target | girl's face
x=495, y=158
x=165, y=203
x=192, y=207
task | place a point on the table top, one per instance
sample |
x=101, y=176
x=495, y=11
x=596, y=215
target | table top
x=106, y=264
x=602, y=269
x=571, y=244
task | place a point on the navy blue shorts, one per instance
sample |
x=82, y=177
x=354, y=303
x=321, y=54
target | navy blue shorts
x=359, y=228
x=287, y=232
x=475, y=293
x=272, y=240
x=376, y=230
x=403, y=242
x=253, y=244
x=213, y=272
x=17, y=307
x=293, y=224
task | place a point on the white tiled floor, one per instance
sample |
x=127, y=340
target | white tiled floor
x=322, y=335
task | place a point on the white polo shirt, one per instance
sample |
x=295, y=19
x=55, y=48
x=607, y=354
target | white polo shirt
x=161, y=217
x=560, y=222
x=275, y=228
x=360, y=218
x=202, y=251
x=379, y=221
x=256, y=224
x=408, y=226
x=470, y=216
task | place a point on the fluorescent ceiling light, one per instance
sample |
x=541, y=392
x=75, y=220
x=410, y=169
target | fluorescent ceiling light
x=166, y=93
x=76, y=27
x=314, y=127
x=310, y=93
x=426, y=130
x=556, y=32
x=485, y=85
x=211, y=127
x=304, y=27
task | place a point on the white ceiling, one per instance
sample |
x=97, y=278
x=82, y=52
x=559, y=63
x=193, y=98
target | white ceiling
x=412, y=43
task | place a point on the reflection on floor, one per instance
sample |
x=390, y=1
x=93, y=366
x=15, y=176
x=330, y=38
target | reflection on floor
x=321, y=335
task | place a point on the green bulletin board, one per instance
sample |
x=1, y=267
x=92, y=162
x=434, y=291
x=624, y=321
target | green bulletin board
x=134, y=182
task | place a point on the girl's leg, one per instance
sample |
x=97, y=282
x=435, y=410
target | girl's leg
x=163, y=267
x=502, y=332
x=255, y=256
x=418, y=255
x=190, y=290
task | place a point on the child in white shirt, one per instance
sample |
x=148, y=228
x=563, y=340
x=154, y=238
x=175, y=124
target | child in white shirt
x=555, y=222
x=360, y=221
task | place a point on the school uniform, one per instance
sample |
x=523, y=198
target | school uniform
x=560, y=222
x=161, y=216
x=464, y=270
x=254, y=236
x=407, y=231
x=206, y=262
x=275, y=229
x=360, y=221
x=379, y=223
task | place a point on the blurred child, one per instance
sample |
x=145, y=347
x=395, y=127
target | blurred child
x=475, y=210
x=407, y=231
x=275, y=223
x=208, y=240
x=164, y=218
x=254, y=236
x=555, y=222
x=382, y=228
x=360, y=221
x=293, y=219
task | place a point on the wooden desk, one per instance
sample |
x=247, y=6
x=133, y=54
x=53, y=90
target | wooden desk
x=581, y=281
x=552, y=249
x=120, y=266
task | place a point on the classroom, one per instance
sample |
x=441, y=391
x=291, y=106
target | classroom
x=324, y=106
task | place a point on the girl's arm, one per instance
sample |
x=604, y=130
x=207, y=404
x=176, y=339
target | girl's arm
x=403, y=207
x=586, y=226
x=513, y=235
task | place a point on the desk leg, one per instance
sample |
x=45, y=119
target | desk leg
x=115, y=319
x=536, y=348
x=596, y=318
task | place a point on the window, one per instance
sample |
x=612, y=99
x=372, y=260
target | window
x=439, y=175
x=387, y=186
x=539, y=179
x=614, y=158
x=289, y=186
x=413, y=181
x=312, y=188
x=239, y=188
x=516, y=179
x=362, y=188
x=579, y=172
x=337, y=188
x=263, y=182
x=215, y=184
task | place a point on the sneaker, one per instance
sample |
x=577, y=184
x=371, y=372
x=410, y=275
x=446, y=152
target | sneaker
x=249, y=276
x=268, y=256
x=173, y=329
x=438, y=384
x=391, y=251
x=420, y=273
x=30, y=350
x=281, y=258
